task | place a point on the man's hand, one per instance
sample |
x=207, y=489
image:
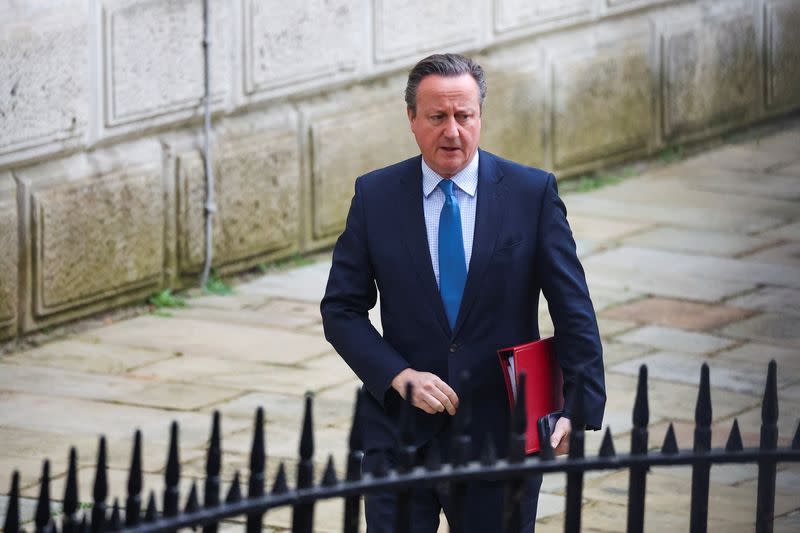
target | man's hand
x=429, y=392
x=559, y=439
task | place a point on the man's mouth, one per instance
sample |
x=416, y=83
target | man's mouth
x=450, y=149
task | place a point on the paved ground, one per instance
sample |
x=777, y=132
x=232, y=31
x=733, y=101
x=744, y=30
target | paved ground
x=695, y=261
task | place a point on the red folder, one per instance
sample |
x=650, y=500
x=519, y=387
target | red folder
x=543, y=382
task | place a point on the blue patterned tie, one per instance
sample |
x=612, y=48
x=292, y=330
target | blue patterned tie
x=452, y=263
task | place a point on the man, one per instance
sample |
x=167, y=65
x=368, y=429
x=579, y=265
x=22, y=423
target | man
x=459, y=243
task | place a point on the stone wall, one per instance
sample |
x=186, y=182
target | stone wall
x=101, y=168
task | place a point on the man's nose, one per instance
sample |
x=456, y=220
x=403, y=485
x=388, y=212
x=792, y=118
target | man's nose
x=451, y=128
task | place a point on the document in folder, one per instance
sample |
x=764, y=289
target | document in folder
x=543, y=382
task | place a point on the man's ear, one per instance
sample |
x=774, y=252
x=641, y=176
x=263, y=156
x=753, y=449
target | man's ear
x=411, y=117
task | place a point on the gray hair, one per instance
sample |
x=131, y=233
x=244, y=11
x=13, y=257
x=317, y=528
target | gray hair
x=443, y=65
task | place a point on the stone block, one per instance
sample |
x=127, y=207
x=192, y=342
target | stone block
x=513, y=115
x=602, y=103
x=409, y=27
x=710, y=74
x=153, y=56
x=347, y=145
x=93, y=232
x=44, y=92
x=782, y=18
x=257, y=180
x=519, y=14
x=293, y=42
x=677, y=314
x=9, y=253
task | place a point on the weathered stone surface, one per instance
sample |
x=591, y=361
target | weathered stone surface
x=676, y=339
x=44, y=89
x=153, y=58
x=293, y=42
x=789, y=232
x=782, y=19
x=710, y=73
x=601, y=229
x=344, y=146
x=406, y=27
x=89, y=357
x=707, y=268
x=778, y=299
x=305, y=284
x=741, y=376
x=9, y=253
x=513, y=113
x=83, y=254
x=777, y=328
x=783, y=254
x=516, y=14
x=601, y=103
x=257, y=181
x=696, y=241
x=760, y=353
x=677, y=313
x=201, y=338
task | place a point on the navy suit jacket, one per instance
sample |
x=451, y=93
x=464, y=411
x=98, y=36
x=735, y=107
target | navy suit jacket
x=522, y=245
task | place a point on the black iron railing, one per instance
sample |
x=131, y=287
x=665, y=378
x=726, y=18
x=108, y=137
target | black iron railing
x=402, y=480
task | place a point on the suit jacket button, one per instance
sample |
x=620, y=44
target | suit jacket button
x=453, y=348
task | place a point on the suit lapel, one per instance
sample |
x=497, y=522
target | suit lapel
x=488, y=221
x=415, y=236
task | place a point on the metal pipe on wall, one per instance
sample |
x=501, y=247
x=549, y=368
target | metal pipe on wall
x=210, y=205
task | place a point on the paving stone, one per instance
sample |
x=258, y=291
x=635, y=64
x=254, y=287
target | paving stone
x=792, y=392
x=779, y=299
x=609, y=327
x=677, y=314
x=788, y=419
x=735, y=505
x=675, y=339
x=663, y=284
x=30, y=470
x=70, y=416
x=602, y=229
x=782, y=254
x=342, y=392
x=729, y=474
x=760, y=354
x=49, y=382
x=789, y=523
x=703, y=267
x=27, y=509
x=243, y=375
x=305, y=283
x=670, y=401
x=328, y=517
x=226, y=302
x=775, y=328
x=91, y=357
x=740, y=221
x=244, y=317
x=696, y=241
x=775, y=183
x=740, y=376
x=789, y=232
x=220, y=340
x=604, y=297
x=286, y=408
x=615, y=352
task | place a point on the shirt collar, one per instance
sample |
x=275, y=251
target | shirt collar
x=466, y=179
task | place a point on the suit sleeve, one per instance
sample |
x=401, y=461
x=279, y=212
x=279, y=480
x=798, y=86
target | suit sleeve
x=564, y=286
x=350, y=294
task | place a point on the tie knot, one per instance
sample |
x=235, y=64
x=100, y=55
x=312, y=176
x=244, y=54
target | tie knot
x=447, y=187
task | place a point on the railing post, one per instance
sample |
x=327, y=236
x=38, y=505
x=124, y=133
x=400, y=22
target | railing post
x=572, y=514
x=354, y=456
x=698, y=522
x=255, y=488
x=133, y=504
x=70, y=519
x=303, y=514
x=462, y=444
x=765, y=505
x=44, y=524
x=172, y=475
x=100, y=492
x=213, y=466
x=637, y=478
x=406, y=457
x=11, y=524
x=512, y=519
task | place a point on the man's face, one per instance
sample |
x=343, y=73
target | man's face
x=447, y=125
